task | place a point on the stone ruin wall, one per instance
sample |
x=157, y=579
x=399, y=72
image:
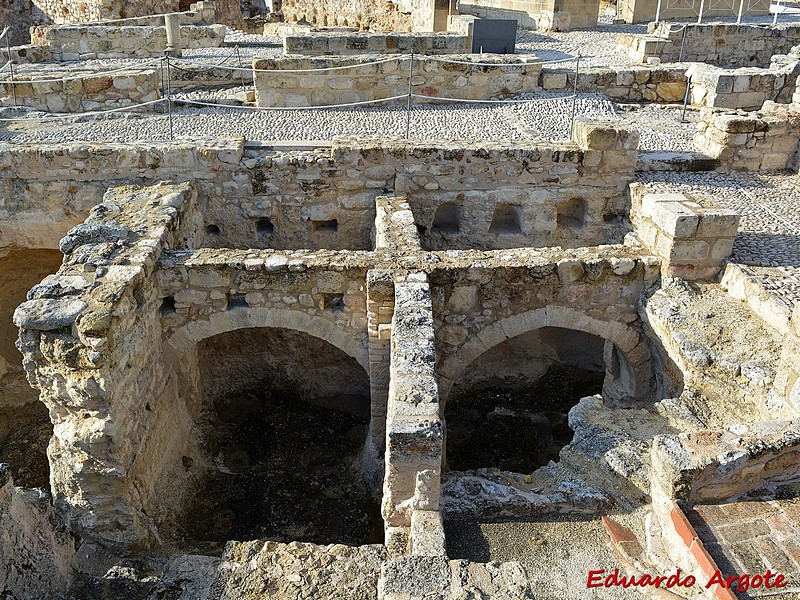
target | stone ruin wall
x=81, y=11
x=80, y=42
x=111, y=298
x=364, y=15
x=302, y=193
x=720, y=45
x=20, y=16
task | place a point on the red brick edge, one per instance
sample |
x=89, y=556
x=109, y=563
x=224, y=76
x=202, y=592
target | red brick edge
x=695, y=546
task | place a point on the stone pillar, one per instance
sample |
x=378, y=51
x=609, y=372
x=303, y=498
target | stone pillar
x=174, y=42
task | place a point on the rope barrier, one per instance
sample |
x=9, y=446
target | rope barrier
x=188, y=102
x=84, y=76
x=239, y=107
x=520, y=101
x=479, y=64
x=83, y=114
x=399, y=57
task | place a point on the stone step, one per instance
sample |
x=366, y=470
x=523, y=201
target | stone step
x=676, y=161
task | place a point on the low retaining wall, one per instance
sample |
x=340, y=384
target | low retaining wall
x=746, y=88
x=723, y=45
x=78, y=95
x=493, y=76
x=385, y=80
x=316, y=43
x=83, y=42
x=637, y=84
x=757, y=141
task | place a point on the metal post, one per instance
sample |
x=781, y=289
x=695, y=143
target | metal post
x=741, y=9
x=683, y=42
x=777, y=10
x=169, y=97
x=686, y=98
x=11, y=69
x=658, y=10
x=575, y=95
x=700, y=15
x=408, y=100
x=241, y=69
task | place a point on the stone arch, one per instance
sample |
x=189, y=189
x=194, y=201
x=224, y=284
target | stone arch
x=630, y=343
x=185, y=337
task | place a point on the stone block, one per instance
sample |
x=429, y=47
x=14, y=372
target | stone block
x=673, y=218
x=427, y=533
x=686, y=251
x=718, y=223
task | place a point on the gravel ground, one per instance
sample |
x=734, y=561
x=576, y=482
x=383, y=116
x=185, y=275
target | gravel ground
x=660, y=128
x=548, y=119
x=768, y=242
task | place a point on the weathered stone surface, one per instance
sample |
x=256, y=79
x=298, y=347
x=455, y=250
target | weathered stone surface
x=289, y=571
x=37, y=554
x=48, y=314
x=92, y=234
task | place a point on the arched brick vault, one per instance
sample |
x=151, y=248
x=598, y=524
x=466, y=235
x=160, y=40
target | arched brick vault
x=351, y=342
x=630, y=342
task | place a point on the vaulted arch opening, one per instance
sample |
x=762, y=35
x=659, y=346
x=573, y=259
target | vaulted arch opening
x=280, y=425
x=508, y=408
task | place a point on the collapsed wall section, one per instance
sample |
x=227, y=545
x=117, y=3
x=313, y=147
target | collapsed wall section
x=86, y=336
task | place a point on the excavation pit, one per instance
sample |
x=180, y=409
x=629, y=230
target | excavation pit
x=282, y=427
x=515, y=427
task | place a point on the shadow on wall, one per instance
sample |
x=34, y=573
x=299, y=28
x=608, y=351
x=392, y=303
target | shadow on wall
x=20, y=16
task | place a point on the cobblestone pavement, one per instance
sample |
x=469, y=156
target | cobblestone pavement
x=549, y=118
x=751, y=537
x=768, y=242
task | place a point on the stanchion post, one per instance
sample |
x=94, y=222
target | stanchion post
x=700, y=14
x=11, y=69
x=408, y=99
x=777, y=10
x=241, y=68
x=658, y=10
x=169, y=97
x=575, y=95
x=689, y=73
x=683, y=42
x=739, y=16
